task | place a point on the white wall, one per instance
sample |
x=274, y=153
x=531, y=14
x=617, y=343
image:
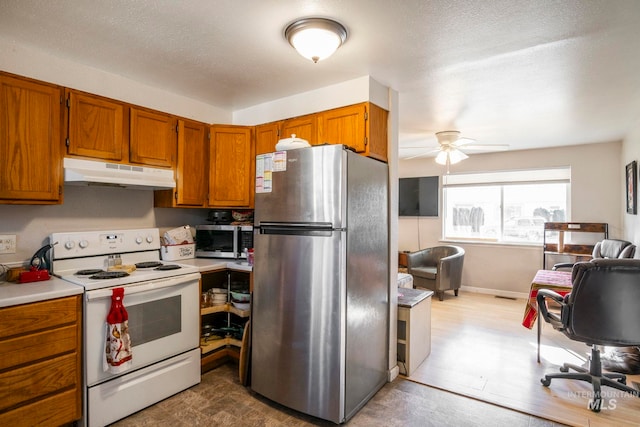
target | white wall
x=40, y=65
x=631, y=152
x=350, y=92
x=596, y=179
x=88, y=208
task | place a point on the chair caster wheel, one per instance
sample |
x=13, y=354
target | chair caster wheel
x=545, y=381
x=595, y=405
x=564, y=369
x=622, y=381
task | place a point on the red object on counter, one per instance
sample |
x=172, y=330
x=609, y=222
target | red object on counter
x=34, y=275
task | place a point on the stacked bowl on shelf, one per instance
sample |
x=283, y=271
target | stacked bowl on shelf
x=218, y=296
x=241, y=300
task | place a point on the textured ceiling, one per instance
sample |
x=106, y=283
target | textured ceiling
x=519, y=72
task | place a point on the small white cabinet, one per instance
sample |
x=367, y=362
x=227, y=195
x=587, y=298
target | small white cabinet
x=414, y=328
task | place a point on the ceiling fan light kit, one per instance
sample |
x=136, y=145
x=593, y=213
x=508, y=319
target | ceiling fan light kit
x=316, y=38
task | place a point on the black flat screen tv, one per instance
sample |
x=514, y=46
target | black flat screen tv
x=418, y=196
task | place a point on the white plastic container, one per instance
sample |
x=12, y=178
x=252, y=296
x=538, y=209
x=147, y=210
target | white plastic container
x=177, y=252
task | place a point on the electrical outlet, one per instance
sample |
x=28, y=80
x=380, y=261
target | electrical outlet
x=7, y=244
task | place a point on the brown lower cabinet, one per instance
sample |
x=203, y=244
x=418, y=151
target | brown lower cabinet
x=40, y=363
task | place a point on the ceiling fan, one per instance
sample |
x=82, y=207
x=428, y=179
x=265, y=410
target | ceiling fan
x=451, y=146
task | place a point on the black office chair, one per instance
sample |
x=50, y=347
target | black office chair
x=602, y=309
x=607, y=248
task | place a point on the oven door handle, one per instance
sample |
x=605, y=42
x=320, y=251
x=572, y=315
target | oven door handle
x=147, y=286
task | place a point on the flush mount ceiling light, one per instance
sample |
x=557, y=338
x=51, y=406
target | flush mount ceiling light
x=316, y=38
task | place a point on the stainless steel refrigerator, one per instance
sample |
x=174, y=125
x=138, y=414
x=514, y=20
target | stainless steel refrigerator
x=321, y=280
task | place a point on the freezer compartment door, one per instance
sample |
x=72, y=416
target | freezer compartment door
x=298, y=320
x=303, y=186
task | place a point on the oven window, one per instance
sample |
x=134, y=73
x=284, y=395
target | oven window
x=153, y=320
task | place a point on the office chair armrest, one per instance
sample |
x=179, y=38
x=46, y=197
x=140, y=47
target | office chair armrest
x=568, y=265
x=549, y=317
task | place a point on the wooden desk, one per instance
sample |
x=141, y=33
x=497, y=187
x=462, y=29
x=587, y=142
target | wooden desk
x=558, y=281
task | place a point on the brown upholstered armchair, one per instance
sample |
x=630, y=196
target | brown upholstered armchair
x=438, y=269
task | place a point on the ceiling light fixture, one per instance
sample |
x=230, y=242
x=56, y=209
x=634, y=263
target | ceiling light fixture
x=316, y=38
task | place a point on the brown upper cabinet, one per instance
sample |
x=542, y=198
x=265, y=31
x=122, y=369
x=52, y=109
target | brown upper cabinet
x=106, y=129
x=30, y=132
x=305, y=127
x=267, y=136
x=96, y=127
x=191, y=168
x=152, y=138
x=362, y=127
x=231, y=166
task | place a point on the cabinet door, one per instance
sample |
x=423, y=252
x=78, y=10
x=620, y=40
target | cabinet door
x=267, y=137
x=30, y=132
x=346, y=125
x=95, y=127
x=231, y=166
x=191, y=178
x=152, y=138
x=304, y=127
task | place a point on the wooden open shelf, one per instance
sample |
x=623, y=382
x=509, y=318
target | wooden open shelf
x=225, y=308
x=578, y=252
x=212, y=345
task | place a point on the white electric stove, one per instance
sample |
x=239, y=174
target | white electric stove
x=162, y=299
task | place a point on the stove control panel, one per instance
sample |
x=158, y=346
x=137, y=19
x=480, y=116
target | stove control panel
x=90, y=243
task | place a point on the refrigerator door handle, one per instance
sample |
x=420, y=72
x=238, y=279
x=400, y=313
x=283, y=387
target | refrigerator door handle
x=306, y=229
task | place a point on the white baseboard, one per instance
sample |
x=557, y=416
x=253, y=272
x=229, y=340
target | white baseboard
x=393, y=373
x=496, y=292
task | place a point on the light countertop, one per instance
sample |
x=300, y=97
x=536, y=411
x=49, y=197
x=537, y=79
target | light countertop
x=24, y=293
x=213, y=264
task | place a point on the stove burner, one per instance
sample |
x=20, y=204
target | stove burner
x=109, y=275
x=168, y=267
x=88, y=272
x=148, y=264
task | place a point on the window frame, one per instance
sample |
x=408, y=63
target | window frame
x=502, y=179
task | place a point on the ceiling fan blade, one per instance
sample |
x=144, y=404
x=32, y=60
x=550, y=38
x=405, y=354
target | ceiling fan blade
x=463, y=141
x=491, y=147
x=417, y=156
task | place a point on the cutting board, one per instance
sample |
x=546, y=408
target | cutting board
x=245, y=354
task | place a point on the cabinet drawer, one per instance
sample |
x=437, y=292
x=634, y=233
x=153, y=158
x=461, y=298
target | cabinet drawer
x=29, y=348
x=40, y=379
x=37, y=316
x=51, y=411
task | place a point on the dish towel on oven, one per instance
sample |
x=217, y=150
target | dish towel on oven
x=118, y=357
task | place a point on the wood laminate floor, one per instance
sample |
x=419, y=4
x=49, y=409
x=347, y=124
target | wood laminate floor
x=220, y=400
x=480, y=349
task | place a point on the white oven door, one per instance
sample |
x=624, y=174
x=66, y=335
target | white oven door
x=163, y=321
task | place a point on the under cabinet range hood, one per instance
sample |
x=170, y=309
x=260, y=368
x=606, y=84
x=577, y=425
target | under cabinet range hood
x=89, y=172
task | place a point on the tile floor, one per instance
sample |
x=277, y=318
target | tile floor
x=220, y=400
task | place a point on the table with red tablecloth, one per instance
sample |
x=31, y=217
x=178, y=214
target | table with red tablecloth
x=558, y=281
